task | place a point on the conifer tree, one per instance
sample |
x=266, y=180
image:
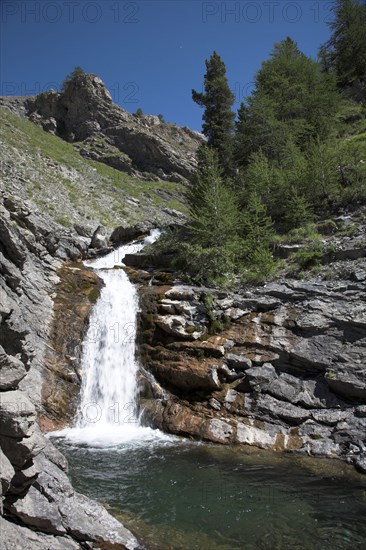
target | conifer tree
x=345, y=51
x=72, y=76
x=257, y=226
x=298, y=211
x=293, y=99
x=258, y=233
x=217, y=99
x=213, y=243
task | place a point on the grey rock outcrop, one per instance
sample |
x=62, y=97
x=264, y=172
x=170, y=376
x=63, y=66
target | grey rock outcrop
x=99, y=239
x=135, y=144
x=39, y=508
x=123, y=235
x=12, y=371
x=292, y=372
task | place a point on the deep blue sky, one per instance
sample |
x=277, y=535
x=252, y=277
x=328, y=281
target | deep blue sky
x=150, y=53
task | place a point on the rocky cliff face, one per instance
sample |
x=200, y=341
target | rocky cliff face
x=139, y=145
x=282, y=366
x=39, y=507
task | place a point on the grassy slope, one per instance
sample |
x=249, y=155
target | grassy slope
x=49, y=171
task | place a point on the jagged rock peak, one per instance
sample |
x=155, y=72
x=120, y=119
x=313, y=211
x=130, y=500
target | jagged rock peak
x=89, y=87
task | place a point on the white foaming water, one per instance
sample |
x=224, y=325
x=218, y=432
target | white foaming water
x=107, y=413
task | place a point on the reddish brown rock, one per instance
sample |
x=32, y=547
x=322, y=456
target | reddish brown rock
x=76, y=293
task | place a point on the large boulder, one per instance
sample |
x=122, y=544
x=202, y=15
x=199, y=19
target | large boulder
x=20, y=451
x=123, y=235
x=15, y=536
x=86, y=520
x=99, y=239
x=12, y=371
x=35, y=510
x=17, y=414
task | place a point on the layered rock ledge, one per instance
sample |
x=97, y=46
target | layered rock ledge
x=281, y=366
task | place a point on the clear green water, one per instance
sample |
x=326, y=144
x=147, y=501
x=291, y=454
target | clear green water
x=184, y=495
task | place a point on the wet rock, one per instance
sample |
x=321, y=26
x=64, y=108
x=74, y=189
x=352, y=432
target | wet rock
x=180, y=419
x=86, y=520
x=299, y=348
x=139, y=260
x=32, y=470
x=123, y=235
x=99, y=239
x=218, y=431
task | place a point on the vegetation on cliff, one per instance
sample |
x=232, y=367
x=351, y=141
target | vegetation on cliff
x=297, y=156
x=73, y=189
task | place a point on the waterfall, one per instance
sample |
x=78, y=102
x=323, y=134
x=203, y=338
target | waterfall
x=108, y=402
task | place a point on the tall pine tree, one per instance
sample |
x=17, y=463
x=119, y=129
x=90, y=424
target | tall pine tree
x=217, y=99
x=345, y=51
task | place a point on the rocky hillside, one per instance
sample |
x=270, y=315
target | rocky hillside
x=75, y=192
x=84, y=114
x=281, y=366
